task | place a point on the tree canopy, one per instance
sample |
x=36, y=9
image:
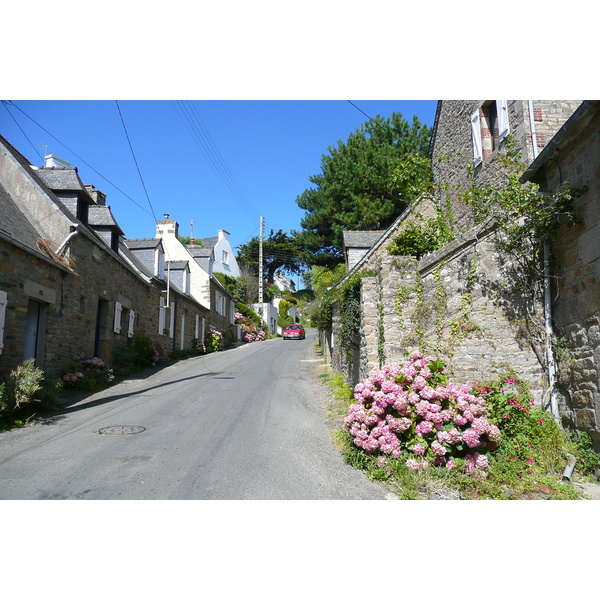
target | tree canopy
x=280, y=251
x=364, y=184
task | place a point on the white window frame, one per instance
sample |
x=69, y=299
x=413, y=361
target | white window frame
x=225, y=257
x=118, y=312
x=3, y=303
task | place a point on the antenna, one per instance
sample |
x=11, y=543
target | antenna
x=192, y=228
x=45, y=147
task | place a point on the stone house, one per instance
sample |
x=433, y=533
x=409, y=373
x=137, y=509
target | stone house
x=457, y=302
x=573, y=156
x=70, y=287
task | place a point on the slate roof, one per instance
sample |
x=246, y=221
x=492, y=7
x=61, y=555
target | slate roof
x=125, y=252
x=62, y=179
x=101, y=216
x=200, y=252
x=142, y=243
x=178, y=265
x=210, y=242
x=361, y=239
x=14, y=224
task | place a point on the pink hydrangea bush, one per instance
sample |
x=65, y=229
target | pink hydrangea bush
x=253, y=334
x=412, y=408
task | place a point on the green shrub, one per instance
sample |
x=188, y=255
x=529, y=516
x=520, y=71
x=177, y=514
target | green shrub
x=140, y=352
x=248, y=313
x=27, y=380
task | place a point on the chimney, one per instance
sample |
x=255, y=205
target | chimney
x=167, y=227
x=223, y=235
x=97, y=196
x=51, y=160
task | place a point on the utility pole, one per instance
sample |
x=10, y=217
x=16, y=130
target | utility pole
x=260, y=264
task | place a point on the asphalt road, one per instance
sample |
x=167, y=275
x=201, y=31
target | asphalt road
x=246, y=423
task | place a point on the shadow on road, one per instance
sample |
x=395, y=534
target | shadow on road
x=105, y=400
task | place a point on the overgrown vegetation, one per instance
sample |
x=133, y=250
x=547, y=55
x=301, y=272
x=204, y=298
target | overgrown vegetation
x=420, y=237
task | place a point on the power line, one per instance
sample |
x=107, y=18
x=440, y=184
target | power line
x=5, y=104
x=360, y=110
x=200, y=134
x=77, y=156
x=135, y=160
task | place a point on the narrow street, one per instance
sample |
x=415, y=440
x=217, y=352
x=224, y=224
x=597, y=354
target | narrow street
x=247, y=423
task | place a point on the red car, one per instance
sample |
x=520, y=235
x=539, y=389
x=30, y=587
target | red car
x=295, y=331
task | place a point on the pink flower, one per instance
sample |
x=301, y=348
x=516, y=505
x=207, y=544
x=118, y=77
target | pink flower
x=419, y=383
x=438, y=449
x=493, y=433
x=418, y=449
x=423, y=428
x=428, y=393
x=471, y=438
x=411, y=463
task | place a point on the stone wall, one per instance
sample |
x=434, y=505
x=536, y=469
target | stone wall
x=449, y=305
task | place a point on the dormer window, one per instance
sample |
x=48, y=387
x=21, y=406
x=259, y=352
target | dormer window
x=83, y=211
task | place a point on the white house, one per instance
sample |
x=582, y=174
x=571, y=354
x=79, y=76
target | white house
x=224, y=259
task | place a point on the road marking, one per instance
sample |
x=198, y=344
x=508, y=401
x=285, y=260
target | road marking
x=313, y=360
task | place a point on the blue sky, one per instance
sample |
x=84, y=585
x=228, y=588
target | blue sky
x=218, y=164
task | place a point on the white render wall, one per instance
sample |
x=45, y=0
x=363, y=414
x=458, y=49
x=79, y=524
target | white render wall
x=223, y=245
x=167, y=230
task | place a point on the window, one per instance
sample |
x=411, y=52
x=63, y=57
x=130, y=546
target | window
x=3, y=300
x=489, y=128
x=225, y=257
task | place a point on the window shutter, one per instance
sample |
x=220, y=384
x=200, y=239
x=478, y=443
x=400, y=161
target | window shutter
x=476, y=136
x=172, y=321
x=131, y=323
x=197, y=326
x=161, y=317
x=3, y=302
x=502, y=110
x=118, y=311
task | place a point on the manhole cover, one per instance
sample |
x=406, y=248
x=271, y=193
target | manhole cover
x=122, y=430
